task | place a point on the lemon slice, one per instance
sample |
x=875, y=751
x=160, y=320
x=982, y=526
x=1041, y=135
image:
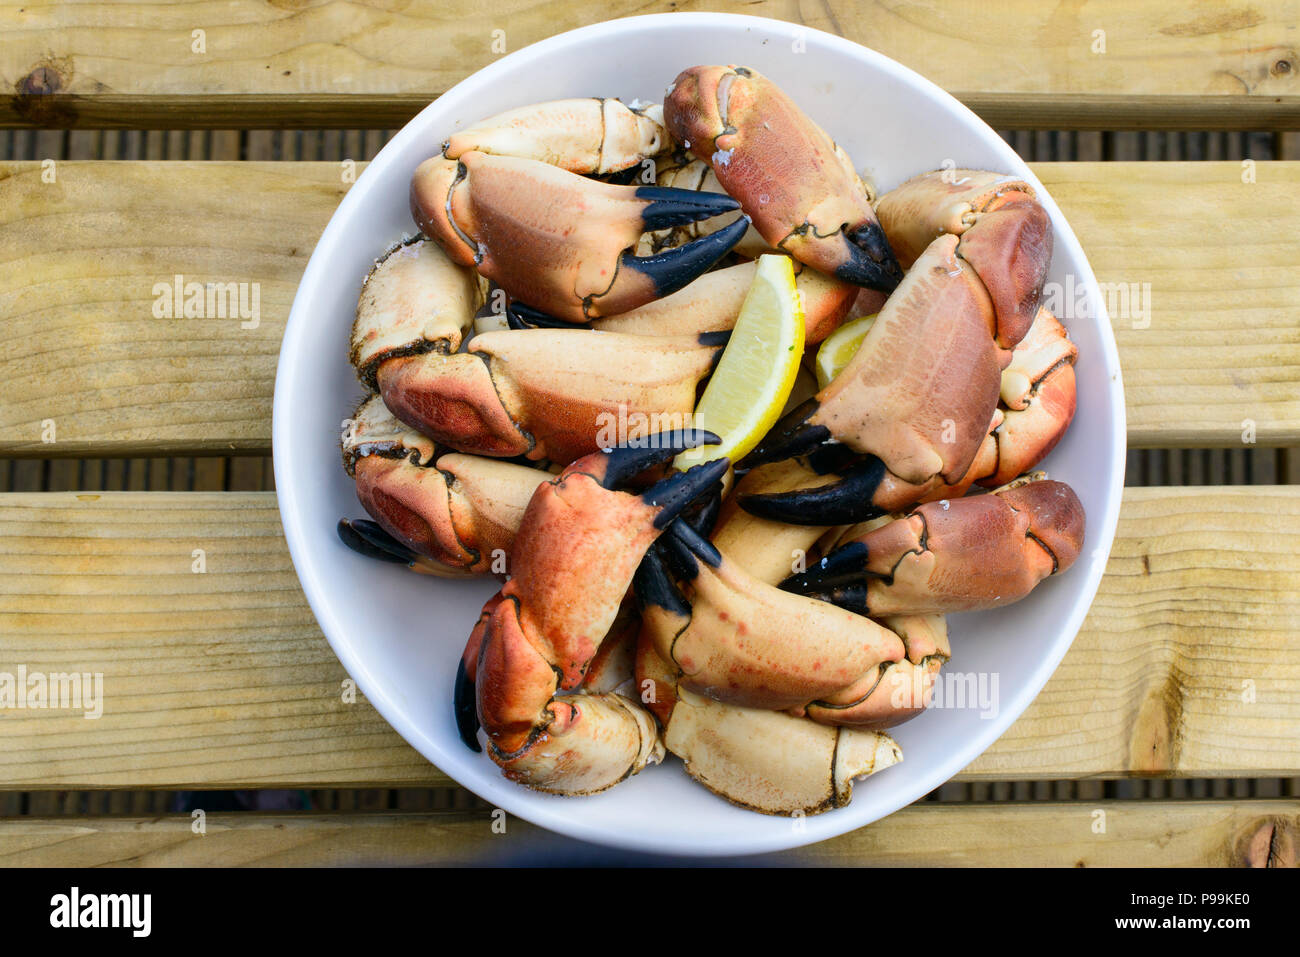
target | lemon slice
x=747, y=392
x=839, y=348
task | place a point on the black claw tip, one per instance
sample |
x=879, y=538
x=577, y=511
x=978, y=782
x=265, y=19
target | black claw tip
x=675, y=268
x=367, y=538
x=466, y=705
x=667, y=206
x=789, y=437
x=625, y=461
x=837, y=578
x=654, y=587
x=849, y=597
x=521, y=316
x=843, y=502
x=673, y=494
x=871, y=262
x=699, y=546
x=703, y=513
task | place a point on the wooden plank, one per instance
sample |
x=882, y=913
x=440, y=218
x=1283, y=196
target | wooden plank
x=106, y=374
x=220, y=678
x=1210, y=343
x=1038, y=834
x=1107, y=64
x=1184, y=666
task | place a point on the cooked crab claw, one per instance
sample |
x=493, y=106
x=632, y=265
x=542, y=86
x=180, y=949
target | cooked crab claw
x=575, y=555
x=713, y=302
x=799, y=187
x=443, y=514
x=554, y=394
x=921, y=390
x=741, y=641
x=982, y=551
x=839, y=486
x=589, y=135
x=415, y=301
x=561, y=242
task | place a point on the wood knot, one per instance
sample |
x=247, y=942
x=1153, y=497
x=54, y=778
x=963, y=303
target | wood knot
x=1155, y=743
x=41, y=97
x=1282, y=68
x=42, y=81
x=1267, y=842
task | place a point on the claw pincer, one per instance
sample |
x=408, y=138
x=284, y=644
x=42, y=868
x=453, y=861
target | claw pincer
x=981, y=551
x=920, y=393
x=798, y=187
x=547, y=393
x=575, y=555
x=449, y=515
x=561, y=242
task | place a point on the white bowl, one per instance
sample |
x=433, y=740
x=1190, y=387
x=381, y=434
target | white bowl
x=400, y=635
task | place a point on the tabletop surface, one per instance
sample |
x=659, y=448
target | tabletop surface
x=222, y=680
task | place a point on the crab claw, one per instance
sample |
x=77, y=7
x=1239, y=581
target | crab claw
x=799, y=188
x=449, y=515
x=982, y=551
x=1005, y=235
x=734, y=639
x=591, y=135
x=414, y=301
x=921, y=390
x=561, y=242
x=553, y=394
x=576, y=552
x=838, y=486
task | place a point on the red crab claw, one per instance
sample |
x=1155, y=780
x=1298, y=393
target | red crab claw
x=561, y=242
x=743, y=642
x=922, y=388
x=553, y=394
x=982, y=551
x=839, y=487
x=1005, y=236
x=799, y=188
x=575, y=555
x=450, y=515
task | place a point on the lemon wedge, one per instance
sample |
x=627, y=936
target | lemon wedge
x=747, y=392
x=839, y=347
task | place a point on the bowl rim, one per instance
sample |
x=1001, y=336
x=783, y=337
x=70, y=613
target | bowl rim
x=549, y=814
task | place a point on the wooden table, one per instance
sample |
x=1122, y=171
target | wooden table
x=1188, y=665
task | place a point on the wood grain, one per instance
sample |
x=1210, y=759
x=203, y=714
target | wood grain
x=1218, y=349
x=215, y=677
x=1038, y=834
x=312, y=63
x=1184, y=667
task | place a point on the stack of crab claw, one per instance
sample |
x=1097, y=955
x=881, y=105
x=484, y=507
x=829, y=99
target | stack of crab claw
x=764, y=620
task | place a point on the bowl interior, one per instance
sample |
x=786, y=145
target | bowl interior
x=400, y=635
